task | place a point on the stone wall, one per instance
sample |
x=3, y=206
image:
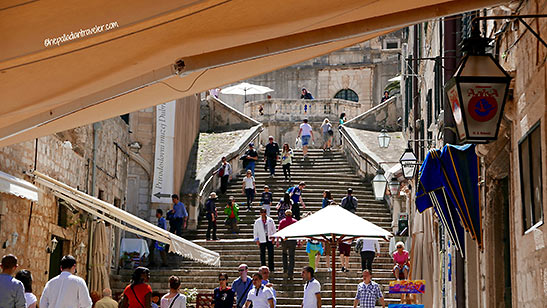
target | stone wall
x=364, y=68
x=37, y=222
x=384, y=115
x=216, y=116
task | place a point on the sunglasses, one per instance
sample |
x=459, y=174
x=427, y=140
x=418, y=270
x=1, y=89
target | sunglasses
x=399, y=247
x=221, y=279
x=242, y=269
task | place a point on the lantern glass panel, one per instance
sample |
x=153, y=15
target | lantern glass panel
x=384, y=139
x=379, y=184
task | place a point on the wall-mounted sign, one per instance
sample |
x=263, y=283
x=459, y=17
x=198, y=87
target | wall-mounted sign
x=162, y=184
x=407, y=286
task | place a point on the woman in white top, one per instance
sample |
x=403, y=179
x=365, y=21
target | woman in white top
x=26, y=278
x=173, y=299
x=249, y=188
x=286, y=161
x=326, y=129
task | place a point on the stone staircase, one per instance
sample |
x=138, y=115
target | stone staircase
x=321, y=171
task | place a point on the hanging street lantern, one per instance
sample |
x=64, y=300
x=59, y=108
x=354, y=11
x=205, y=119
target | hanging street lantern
x=477, y=93
x=383, y=139
x=379, y=184
x=408, y=163
x=394, y=186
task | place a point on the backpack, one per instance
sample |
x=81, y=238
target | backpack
x=350, y=204
x=359, y=246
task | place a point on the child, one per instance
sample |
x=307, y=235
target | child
x=232, y=211
x=266, y=199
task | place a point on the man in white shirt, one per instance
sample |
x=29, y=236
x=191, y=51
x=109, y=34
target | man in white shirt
x=263, y=229
x=261, y=296
x=312, y=289
x=307, y=134
x=368, y=253
x=66, y=289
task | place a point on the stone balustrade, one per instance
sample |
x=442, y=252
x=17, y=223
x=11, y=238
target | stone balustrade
x=295, y=110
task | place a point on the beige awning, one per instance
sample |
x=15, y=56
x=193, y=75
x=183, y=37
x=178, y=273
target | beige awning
x=12, y=185
x=127, y=221
x=45, y=89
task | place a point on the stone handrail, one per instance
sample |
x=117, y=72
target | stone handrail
x=294, y=110
x=384, y=115
x=207, y=177
x=366, y=164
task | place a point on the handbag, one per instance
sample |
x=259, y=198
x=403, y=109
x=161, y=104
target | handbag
x=174, y=299
x=170, y=215
x=359, y=246
x=221, y=172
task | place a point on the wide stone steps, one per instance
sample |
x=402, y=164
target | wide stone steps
x=321, y=171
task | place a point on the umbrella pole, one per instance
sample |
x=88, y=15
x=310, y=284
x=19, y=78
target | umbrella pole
x=333, y=271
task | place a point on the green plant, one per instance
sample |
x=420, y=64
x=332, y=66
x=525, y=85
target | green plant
x=191, y=294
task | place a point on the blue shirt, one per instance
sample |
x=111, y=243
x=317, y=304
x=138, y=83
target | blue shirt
x=296, y=191
x=13, y=292
x=180, y=210
x=162, y=223
x=239, y=287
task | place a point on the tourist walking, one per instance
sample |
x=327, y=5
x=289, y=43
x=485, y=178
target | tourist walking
x=266, y=199
x=368, y=292
x=327, y=133
x=271, y=155
x=211, y=215
x=223, y=296
x=349, y=202
x=155, y=245
x=314, y=249
x=106, y=301
x=345, y=249
x=402, y=261
x=224, y=172
x=26, y=278
x=327, y=198
x=260, y=296
x=288, y=246
x=13, y=290
x=173, y=299
x=369, y=248
x=283, y=205
x=232, y=212
x=66, y=289
x=250, y=158
x=263, y=229
x=249, y=188
x=341, y=122
x=286, y=161
x=138, y=293
x=307, y=134
x=179, y=216
x=312, y=289
x=265, y=272
x=295, y=193
x=242, y=285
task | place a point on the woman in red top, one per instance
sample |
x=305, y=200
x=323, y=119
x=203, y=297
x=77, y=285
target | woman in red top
x=138, y=294
x=402, y=261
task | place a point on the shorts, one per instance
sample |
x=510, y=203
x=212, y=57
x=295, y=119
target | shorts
x=344, y=249
x=400, y=267
x=306, y=140
x=326, y=137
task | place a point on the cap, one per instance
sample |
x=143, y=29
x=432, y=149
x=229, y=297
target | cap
x=350, y=190
x=251, y=144
x=213, y=195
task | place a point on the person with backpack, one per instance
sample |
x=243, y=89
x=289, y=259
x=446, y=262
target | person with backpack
x=326, y=129
x=242, y=285
x=295, y=193
x=224, y=173
x=349, y=202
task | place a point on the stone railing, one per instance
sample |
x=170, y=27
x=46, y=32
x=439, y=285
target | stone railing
x=383, y=115
x=209, y=182
x=295, y=110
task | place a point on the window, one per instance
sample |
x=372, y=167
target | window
x=62, y=213
x=392, y=45
x=530, y=177
x=347, y=94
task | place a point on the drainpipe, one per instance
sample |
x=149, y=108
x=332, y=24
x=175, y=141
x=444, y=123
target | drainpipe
x=451, y=55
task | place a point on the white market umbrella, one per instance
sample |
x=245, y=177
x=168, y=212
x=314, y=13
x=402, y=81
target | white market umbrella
x=333, y=224
x=245, y=88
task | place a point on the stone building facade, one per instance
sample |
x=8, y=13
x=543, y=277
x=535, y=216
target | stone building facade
x=68, y=157
x=510, y=270
x=363, y=69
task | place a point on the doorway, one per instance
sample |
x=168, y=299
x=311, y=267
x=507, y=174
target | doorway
x=55, y=257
